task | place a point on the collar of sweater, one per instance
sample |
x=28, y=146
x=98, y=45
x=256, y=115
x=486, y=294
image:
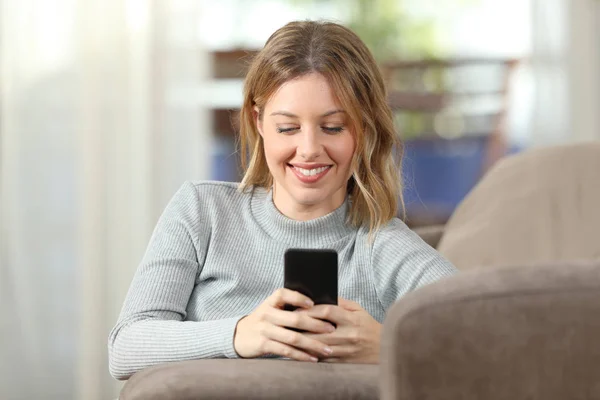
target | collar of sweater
x=314, y=233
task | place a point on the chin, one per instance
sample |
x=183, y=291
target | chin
x=315, y=196
x=310, y=199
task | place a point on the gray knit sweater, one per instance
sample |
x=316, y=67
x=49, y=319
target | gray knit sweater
x=217, y=253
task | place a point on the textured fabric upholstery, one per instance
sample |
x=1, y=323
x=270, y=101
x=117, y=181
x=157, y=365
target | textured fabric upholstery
x=539, y=206
x=253, y=379
x=497, y=334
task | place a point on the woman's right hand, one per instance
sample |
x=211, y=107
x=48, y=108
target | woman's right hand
x=264, y=330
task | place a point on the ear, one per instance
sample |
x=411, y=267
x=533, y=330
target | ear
x=258, y=120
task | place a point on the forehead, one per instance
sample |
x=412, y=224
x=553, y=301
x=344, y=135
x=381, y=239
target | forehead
x=308, y=93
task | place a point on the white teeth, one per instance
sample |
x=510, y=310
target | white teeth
x=311, y=172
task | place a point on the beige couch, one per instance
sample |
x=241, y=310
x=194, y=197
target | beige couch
x=521, y=321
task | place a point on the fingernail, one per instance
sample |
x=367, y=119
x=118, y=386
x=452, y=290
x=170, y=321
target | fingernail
x=308, y=303
x=330, y=329
x=314, y=359
x=327, y=350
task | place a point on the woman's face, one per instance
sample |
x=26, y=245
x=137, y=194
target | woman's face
x=308, y=145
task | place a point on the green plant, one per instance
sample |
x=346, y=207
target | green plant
x=390, y=30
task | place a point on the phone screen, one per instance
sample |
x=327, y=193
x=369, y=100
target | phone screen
x=312, y=272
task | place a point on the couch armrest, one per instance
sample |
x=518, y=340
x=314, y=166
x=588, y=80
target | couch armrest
x=256, y=379
x=431, y=234
x=503, y=333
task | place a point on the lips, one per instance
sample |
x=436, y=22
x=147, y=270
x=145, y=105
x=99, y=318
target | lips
x=312, y=171
x=310, y=174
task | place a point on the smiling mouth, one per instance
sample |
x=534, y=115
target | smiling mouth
x=312, y=171
x=310, y=175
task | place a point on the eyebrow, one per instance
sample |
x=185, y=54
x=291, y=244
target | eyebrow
x=289, y=114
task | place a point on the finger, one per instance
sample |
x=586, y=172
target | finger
x=298, y=320
x=298, y=341
x=329, y=312
x=284, y=350
x=343, y=351
x=283, y=296
x=341, y=354
x=349, y=304
x=330, y=339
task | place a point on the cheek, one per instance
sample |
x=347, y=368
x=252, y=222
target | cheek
x=276, y=151
x=343, y=152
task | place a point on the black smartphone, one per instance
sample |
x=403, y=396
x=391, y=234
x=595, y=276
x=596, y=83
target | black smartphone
x=312, y=272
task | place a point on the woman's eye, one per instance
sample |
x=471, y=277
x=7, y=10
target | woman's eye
x=286, y=130
x=333, y=129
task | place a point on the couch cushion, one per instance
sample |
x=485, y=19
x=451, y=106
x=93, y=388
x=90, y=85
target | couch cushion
x=253, y=379
x=538, y=206
x=503, y=333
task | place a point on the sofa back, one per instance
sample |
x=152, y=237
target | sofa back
x=538, y=206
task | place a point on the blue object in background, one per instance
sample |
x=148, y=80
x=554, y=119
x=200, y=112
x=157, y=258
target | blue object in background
x=225, y=160
x=438, y=173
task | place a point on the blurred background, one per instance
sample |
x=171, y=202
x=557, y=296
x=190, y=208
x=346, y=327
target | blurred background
x=106, y=107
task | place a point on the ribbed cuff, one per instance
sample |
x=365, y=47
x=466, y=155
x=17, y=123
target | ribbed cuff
x=227, y=332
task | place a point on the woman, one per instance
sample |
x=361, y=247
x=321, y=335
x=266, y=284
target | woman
x=319, y=140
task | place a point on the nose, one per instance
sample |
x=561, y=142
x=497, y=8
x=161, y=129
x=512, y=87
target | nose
x=310, y=146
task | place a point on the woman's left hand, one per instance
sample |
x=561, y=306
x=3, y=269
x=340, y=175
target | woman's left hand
x=357, y=335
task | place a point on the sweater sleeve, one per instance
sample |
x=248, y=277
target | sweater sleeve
x=151, y=328
x=401, y=262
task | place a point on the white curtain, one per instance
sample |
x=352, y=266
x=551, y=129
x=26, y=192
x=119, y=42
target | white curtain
x=566, y=65
x=91, y=149
x=551, y=111
x=584, y=68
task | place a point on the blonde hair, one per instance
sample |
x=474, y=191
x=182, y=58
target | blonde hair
x=337, y=53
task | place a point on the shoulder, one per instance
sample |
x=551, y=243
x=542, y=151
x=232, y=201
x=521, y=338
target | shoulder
x=214, y=187
x=203, y=205
x=394, y=230
x=396, y=243
x=212, y=191
x=396, y=236
x=194, y=197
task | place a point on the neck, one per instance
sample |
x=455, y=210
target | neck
x=313, y=233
